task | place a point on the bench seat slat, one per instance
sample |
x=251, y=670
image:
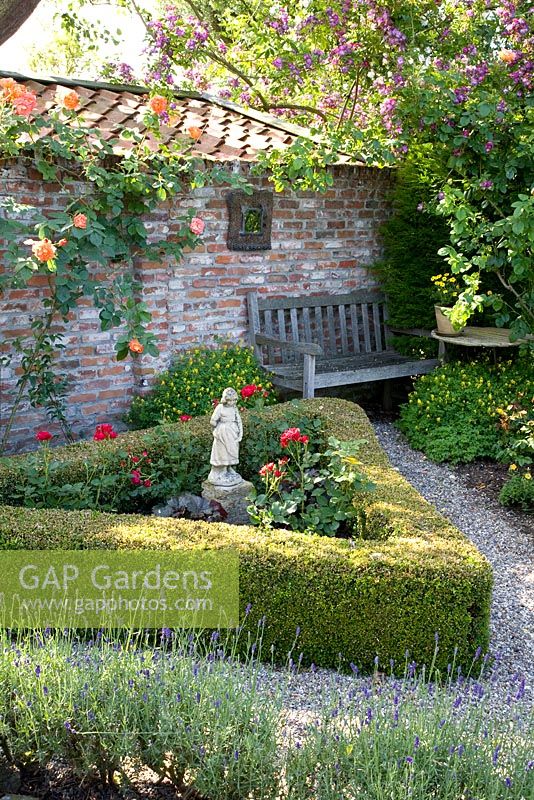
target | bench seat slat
x=350, y=373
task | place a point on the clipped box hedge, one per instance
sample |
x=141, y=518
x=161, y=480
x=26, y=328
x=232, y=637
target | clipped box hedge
x=351, y=600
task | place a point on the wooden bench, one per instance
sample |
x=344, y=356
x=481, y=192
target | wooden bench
x=310, y=343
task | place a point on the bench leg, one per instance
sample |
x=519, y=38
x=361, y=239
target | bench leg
x=308, y=377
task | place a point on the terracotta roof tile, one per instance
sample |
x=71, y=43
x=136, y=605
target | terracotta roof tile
x=229, y=132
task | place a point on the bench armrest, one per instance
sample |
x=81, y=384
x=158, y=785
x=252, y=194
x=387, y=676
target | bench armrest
x=305, y=348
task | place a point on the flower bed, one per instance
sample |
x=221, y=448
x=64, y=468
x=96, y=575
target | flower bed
x=352, y=600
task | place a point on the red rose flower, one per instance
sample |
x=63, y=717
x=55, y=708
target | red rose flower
x=104, y=431
x=250, y=390
x=185, y=417
x=267, y=468
x=147, y=482
x=136, y=477
x=43, y=436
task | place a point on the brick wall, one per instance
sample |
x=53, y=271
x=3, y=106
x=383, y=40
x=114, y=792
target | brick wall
x=320, y=243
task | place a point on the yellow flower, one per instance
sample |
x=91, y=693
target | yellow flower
x=512, y=467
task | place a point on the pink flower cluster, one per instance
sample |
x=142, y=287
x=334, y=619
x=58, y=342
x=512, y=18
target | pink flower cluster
x=293, y=435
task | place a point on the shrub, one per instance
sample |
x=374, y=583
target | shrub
x=352, y=599
x=412, y=238
x=180, y=709
x=517, y=429
x=518, y=491
x=453, y=412
x=197, y=378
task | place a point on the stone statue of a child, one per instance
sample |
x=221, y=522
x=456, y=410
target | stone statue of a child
x=227, y=433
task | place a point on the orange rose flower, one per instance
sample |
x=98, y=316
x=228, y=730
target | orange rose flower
x=507, y=56
x=10, y=88
x=24, y=103
x=62, y=243
x=194, y=132
x=79, y=220
x=68, y=99
x=158, y=104
x=135, y=346
x=44, y=250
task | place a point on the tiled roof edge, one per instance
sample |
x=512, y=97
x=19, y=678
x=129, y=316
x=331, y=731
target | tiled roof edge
x=260, y=116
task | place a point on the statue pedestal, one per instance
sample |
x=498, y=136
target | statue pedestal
x=232, y=498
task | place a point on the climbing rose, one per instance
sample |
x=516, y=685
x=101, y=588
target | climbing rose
x=10, y=88
x=293, y=435
x=67, y=98
x=104, y=431
x=79, y=220
x=44, y=250
x=197, y=226
x=507, y=56
x=185, y=417
x=194, y=132
x=25, y=103
x=62, y=243
x=43, y=436
x=158, y=104
x=135, y=346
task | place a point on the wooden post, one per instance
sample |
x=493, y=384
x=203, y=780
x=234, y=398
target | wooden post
x=308, y=377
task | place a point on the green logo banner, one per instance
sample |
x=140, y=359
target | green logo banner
x=119, y=589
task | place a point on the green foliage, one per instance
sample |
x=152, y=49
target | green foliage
x=518, y=491
x=412, y=237
x=517, y=428
x=350, y=597
x=312, y=492
x=197, y=378
x=453, y=413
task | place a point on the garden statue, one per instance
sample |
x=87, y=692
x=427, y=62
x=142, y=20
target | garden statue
x=227, y=433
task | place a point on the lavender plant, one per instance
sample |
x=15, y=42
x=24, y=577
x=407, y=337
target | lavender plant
x=216, y=727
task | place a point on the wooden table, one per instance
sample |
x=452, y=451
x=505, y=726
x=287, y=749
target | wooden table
x=475, y=337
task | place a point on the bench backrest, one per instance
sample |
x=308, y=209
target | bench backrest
x=343, y=325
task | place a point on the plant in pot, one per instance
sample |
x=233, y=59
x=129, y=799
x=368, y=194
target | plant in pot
x=446, y=291
x=462, y=302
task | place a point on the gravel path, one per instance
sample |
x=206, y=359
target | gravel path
x=509, y=549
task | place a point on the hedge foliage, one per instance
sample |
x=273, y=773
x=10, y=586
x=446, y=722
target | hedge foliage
x=351, y=600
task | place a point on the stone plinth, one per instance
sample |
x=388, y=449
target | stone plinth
x=232, y=498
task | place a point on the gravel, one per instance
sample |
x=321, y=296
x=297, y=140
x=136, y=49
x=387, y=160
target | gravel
x=507, y=546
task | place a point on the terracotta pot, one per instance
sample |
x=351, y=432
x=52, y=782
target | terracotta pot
x=444, y=324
